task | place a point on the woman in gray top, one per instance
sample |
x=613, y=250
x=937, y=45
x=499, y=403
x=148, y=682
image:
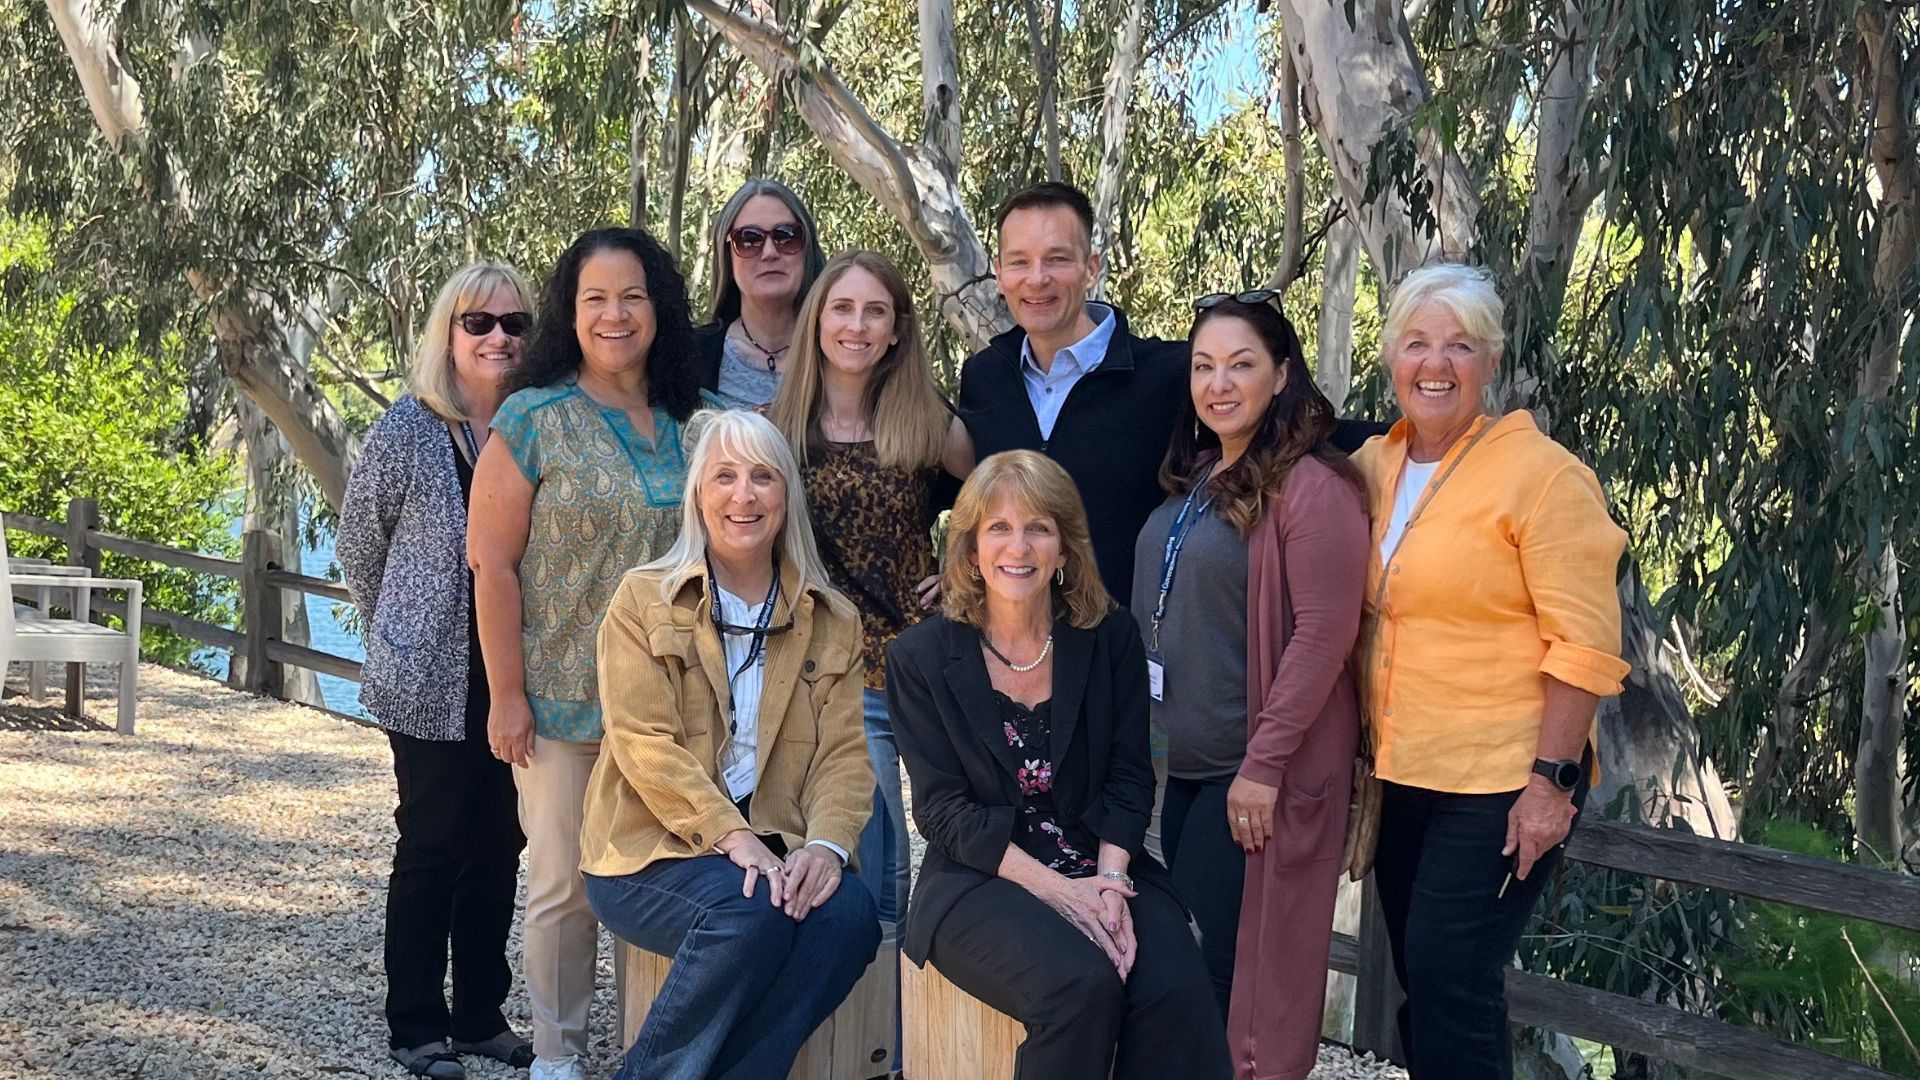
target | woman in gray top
x=403, y=551
x=766, y=255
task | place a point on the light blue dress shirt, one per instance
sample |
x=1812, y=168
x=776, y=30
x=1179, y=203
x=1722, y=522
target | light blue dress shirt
x=1048, y=390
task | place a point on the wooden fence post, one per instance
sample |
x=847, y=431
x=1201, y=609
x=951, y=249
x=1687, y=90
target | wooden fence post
x=260, y=609
x=83, y=515
x=1377, y=996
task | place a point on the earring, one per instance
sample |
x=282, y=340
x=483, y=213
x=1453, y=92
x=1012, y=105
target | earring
x=973, y=571
x=1060, y=575
x=1196, y=429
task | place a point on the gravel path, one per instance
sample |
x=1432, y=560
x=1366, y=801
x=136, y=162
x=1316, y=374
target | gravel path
x=204, y=899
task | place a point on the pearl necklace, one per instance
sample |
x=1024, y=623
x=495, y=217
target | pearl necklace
x=1023, y=668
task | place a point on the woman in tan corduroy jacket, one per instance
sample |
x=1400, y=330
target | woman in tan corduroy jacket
x=733, y=777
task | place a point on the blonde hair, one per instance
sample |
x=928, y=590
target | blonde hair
x=747, y=437
x=1037, y=484
x=431, y=378
x=909, y=420
x=1465, y=291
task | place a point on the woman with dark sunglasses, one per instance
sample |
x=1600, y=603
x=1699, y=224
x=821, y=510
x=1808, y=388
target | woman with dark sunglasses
x=1248, y=587
x=583, y=483
x=403, y=549
x=734, y=780
x=766, y=255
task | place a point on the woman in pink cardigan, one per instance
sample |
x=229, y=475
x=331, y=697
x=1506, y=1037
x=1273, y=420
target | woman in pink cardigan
x=1248, y=588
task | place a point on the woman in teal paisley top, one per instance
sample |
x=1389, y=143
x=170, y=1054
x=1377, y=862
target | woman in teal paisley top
x=583, y=484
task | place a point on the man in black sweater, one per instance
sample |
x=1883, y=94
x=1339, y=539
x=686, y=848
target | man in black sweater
x=1073, y=382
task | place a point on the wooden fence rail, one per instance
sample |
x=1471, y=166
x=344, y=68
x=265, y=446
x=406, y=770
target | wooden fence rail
x=258, y=653
x=1661, y=1031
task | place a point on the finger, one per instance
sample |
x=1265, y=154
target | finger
x=753, y=876
x=829, y=884
x=1513, y=833
x=1529, y=854
x=777, y=887
x=1262, y=828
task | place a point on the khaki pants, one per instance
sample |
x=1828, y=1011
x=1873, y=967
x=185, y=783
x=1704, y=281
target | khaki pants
x=562, y=936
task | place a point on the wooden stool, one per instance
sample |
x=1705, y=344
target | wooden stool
x=951, y=1035
x=853, y=1044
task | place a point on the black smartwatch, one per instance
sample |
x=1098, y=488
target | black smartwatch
x=1564, y=774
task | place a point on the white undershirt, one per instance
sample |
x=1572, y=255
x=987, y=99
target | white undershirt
x=740, y=760
x=1414, y=478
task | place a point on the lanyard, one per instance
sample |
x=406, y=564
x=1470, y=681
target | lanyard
x=473, y=448
x=1170, y=556
x=757, y=648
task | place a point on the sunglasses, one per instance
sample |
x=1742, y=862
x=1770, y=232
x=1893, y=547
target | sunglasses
x=747, y=240
x=1256, y=296
x=481, y=323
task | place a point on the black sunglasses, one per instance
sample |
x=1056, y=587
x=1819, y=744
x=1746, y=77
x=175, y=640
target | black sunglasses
x=747, y=240
x=1256, y=296
x=481, y=323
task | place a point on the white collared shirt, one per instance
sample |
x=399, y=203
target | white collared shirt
x=740, y=758
x=1048, y=390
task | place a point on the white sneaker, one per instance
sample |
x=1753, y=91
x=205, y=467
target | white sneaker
x=562, y=1068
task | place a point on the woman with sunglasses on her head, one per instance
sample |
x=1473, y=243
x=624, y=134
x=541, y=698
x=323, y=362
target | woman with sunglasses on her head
x=766, y=255
x=1248, y=588
x=403, y=552
x=583, y=483
x=880, y=454
x=735, y=778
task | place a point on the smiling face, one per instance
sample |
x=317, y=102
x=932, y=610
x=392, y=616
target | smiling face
x=1233, y=378
x=857, y=323
x=480, y=363
x=1440, y=374
x=743, y=504
x=613, y=313
x=1045, y=268
x=768, y=277
x=1017, y=551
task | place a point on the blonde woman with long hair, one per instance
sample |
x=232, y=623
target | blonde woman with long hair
x=403, y=551
x=879, y=450
x=732, y=783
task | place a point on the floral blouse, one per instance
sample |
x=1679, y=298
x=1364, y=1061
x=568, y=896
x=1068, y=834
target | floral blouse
x=1037, y=830
x=605, y=500
x=874, y=526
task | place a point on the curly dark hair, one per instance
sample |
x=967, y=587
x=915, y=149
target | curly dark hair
x=1298, y=422
x=554, y=353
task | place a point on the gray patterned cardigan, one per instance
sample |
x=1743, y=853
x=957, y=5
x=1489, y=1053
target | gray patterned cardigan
x=403, y=551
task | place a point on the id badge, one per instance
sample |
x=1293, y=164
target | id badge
x=739, y=777
x=1156, y=676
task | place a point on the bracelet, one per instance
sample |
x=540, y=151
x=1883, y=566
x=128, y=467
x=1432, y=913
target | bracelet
x=1119, y=876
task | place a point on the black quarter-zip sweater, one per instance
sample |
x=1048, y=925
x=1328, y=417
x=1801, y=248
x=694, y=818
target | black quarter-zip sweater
x=1111, y=436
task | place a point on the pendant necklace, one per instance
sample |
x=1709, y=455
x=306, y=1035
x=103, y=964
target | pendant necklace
x=1000, y=656
x=771, y=354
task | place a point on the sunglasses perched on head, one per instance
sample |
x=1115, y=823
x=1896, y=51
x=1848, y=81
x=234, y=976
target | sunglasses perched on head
x=481, y=323
x=747, y=240
x=1256, y=296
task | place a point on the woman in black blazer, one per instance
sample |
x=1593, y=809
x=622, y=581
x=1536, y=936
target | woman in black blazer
x=1021, y=715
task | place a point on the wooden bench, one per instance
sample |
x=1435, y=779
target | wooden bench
x=853, y=1044
x=948, y=1034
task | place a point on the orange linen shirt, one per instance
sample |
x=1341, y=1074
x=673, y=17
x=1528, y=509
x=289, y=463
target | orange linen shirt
x=1506, y=577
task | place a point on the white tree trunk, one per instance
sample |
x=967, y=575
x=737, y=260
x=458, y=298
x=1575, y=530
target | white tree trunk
x=264, y=369
x=916, y=184
x=1115, y=108
x=1339, y=282
x=1360, y=85
x=940, y=80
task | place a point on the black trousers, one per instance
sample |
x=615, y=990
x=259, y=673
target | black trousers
x=1209, y=869
x=1006, y=947
x=454, y=872
x=1439, y=869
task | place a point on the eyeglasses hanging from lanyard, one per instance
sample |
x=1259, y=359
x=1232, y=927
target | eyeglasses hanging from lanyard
x=760, y=631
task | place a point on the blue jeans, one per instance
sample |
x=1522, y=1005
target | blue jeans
x=748, y=984
x=884, y=847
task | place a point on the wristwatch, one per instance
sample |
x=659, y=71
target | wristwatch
x=1565, y=774
x=1119, y=876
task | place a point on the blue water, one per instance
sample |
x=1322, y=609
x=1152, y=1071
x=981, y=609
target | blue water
x=325, y=631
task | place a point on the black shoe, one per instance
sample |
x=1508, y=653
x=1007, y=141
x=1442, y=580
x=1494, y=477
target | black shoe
x=430, y=1060
x=506, y=1046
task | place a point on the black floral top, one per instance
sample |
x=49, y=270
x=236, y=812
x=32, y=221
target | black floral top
x=1037, y=830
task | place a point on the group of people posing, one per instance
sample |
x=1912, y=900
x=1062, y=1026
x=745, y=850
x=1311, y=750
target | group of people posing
x=661, y=605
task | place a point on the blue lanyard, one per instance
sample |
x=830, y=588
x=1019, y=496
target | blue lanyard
x=473, y=448
x=757, y=648
x=1170, y=557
